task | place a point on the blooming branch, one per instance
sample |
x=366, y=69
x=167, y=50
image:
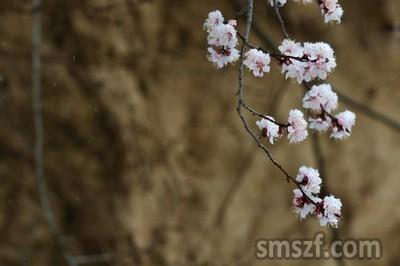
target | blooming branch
x=304, y=62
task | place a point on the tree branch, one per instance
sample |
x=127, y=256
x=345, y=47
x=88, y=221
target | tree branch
x=38, y=129
x=281, y=21
x=371, y=113
x=365, y=109
x=242, y=104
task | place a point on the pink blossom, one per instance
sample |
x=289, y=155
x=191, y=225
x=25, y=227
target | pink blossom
x=302, y=205
x=223, y=56
x=329, y=211
x=297, y=129
x=222, y=39
x=320, y=123
x=269, y=129
x=278, y=2
x=313, y=60
x=214, y=19
x=320, y=95
x=309, y=179
x=332, y=11
x=257, y=61
x=342, y=126
x=291, y=48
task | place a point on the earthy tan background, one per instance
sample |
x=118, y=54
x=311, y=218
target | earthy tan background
x=143, y=143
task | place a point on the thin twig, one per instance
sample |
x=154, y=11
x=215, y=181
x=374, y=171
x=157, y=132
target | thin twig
x=237, y=4
x=38, y=128
x=281, y=21
x=319, y=157
x=242, y=104
x=278, y=56
x=96, y=258
x=241, y=100
x=254, y=112
x=317, y=150
x=369, y=111
x=37, y=113
x=234, y=186
x=365, y=109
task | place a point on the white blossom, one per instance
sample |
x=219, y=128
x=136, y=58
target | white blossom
x=332, y=11
x=303, y=62
x=309, y=180
x=294, y=69
x=343, y=124
x=331, y=211
x=320, y=95
x=312, y=60
x=232, y=22
x=223, y=35
x=320, y=124
x=302, y=205
x=291, y=48
x=297, y=129
x=214, y=19
x=278, y=2
x=305, y=1
x=221, y=57
x=269, y=129
x=222, y=39
x=257, y=61
x=322, y=60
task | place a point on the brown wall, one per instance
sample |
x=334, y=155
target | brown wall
x=143, y=143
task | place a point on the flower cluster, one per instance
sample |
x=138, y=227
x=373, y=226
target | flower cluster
x=304, y=62
x=278, y=2
x=332, y=11
x=307, y=61
x=321, y=100
x=257, y=61
x=309, y=179
x=269, y=128
x=342, y=124
x=307, y=201
x=296, y=127
x=329, y=211
x=320, y=96
x=222, y=39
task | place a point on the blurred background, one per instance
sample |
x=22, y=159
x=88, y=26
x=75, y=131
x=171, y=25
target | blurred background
x=145, y=159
